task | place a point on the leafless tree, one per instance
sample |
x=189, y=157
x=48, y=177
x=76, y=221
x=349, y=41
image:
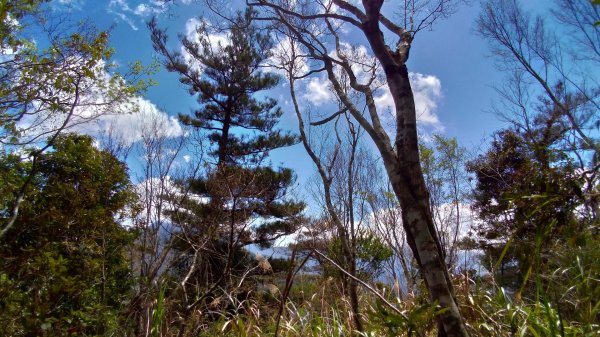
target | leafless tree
x=160, y=157
x=552, y=77
x=337, y=183
x=387, y=222
x=318, y=29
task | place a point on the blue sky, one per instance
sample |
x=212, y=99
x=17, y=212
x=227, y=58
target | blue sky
x=452, y=64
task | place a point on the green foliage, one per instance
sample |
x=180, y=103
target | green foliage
x=68, y=67
x=241, y=127
x=64, y=263
x=419, y=318
x=14, y=173
x=62, y=266
x=573, y=284
x=371, y=253
x=241, y=200
x=522, y=187
x=499, y=314
x=158, y=313
x=12, y=12
x=443, y=165
x=562, y=299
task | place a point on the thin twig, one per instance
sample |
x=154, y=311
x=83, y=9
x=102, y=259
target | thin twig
x=364, y=284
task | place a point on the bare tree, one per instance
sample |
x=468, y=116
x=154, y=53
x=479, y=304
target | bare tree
x=160, y=156
x=317, y=28
x=340, y=213
x=557, y=68
x=45, y=92
x=387, y=222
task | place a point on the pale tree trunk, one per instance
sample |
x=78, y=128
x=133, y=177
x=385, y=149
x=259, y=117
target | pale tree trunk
x=402, y=160
x=406, y=177
x=407, y=180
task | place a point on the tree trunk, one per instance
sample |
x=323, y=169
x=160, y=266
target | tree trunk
x=409, y=186
x=406, y=177
x=402, y=162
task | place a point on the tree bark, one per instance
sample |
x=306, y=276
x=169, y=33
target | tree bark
x=407, y=180
x=401, y=161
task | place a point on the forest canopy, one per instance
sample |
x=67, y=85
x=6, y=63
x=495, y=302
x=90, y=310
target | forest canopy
x=299, y=168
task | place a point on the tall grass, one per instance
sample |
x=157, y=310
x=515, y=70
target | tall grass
x=490, y=310
x=561, y=299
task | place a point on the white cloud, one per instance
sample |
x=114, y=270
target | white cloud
x=427, y=89
x=130, y=15
x=363, y=64
x=444, y=216
x=318, y=92
x=143, y=10
x=427, y=92
x=190, y=27
x=215, y=40
x=131, y=127
x=191, y=33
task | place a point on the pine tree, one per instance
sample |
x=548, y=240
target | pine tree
x=526, y=191
x=243, y=199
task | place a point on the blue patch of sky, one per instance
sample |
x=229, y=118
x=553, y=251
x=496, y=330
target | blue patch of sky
x=450, y=51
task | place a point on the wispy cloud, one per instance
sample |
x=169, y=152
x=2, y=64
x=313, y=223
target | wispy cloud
x=121, y=9
x=317, y=91
x=135, y=13
x=67, y=5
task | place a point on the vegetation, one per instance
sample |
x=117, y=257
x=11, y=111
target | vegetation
x=419, y=238
x=64, y=268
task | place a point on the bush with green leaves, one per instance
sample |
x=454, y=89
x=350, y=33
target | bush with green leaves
x=63, y=270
